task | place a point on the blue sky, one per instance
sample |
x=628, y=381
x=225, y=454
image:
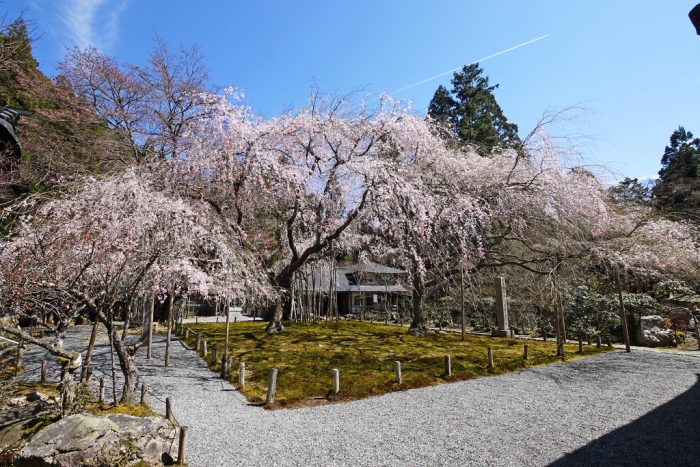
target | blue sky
x=634, y=65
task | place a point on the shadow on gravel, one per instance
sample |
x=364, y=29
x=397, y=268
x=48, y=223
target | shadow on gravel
x=668, y=435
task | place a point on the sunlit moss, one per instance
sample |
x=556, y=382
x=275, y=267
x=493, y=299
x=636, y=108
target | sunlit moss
x=364, y=353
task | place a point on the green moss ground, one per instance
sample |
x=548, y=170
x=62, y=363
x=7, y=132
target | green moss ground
x=364, y=353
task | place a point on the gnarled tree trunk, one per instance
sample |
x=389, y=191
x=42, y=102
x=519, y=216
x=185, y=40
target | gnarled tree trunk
x=419, y=325
x=283, y=305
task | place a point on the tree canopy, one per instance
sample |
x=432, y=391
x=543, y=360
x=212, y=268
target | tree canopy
x=678, y=188
x=469, y=113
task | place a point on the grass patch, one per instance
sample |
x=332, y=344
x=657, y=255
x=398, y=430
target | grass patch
x=364, y=353
x=137, y=410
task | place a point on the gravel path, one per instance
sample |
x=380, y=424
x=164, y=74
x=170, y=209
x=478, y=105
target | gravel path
x=617, y=409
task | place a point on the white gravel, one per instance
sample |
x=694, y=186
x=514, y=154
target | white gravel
x=641, y=408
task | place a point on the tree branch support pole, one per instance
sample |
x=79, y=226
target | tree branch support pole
x=461, y=297
x=224, y=358
x=152, y=305
x=170, y=328
x=623, y=315
x=88, y=355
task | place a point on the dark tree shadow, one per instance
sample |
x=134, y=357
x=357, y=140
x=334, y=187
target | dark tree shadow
x=668, y=435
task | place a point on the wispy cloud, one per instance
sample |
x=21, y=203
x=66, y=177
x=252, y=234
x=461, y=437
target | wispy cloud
x=92, y=22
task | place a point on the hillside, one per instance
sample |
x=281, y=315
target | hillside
x=62, y=139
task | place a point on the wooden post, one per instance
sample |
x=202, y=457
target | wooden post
x=609, y=342
x=143, y=393
x=102, y=391
x=168, y=409
x=181, y=446
x=241, y=374
x=204, y=348
x=187, y=333
x=225, y=362
x=580, y=344
x=170, y=328
x=336, y=381
x=397, y=371
x=623, y=316
x=526, y=352
x=213, y=358
x=149, y=342
x=598, y=341
x=448, y=366
x=490, y=357
x=196, y=342
x=271, y=386
x=43, y=372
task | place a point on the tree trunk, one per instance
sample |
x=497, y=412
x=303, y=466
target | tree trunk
x=419, y=325
x=623, y=315
x=283, y=305
x=129, y=370
x=67, y=390
x=275, y=324
x=88, y=355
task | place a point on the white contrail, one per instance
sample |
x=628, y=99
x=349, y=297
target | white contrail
x=418, y=83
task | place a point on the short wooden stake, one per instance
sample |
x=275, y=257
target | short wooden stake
x=143, y=393
x=580, y=344
x=196, y=342
x=213, y=358
x=204, y=348
x=187, y=333
x=448, y=366
x=181, y=446
x=397, y=370
x=168, y=409
x=88, y=375
x=241, y=374
x=102, y=391
x=225, y=362
x=598, y=341
x=336, y=381
x=490, y=357
x=272, y=386
x=526, y=352
x=43, y=371
x=609, y=342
